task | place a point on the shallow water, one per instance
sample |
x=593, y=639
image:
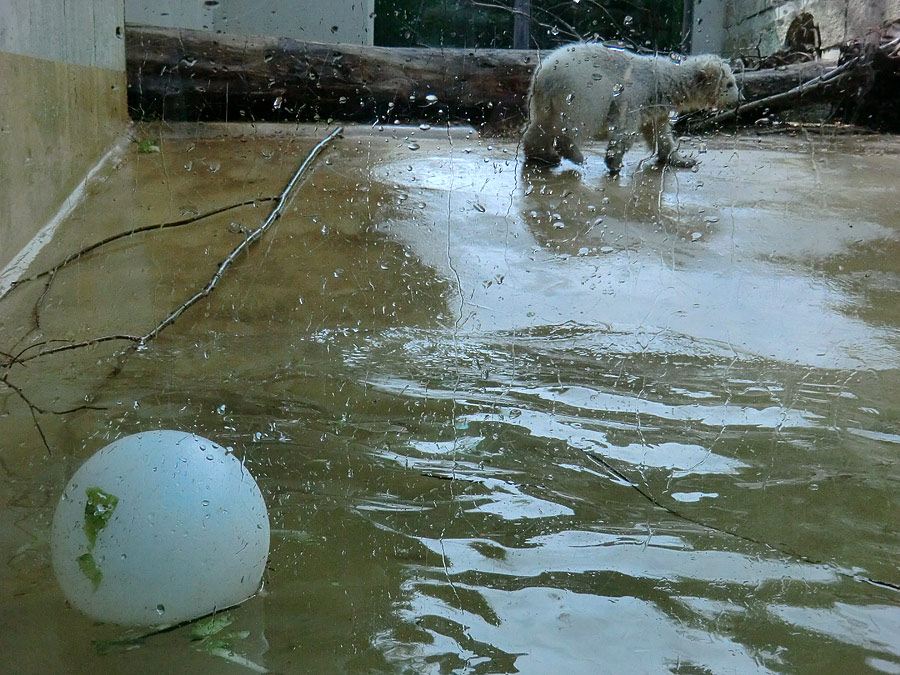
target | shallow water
x=504, y=420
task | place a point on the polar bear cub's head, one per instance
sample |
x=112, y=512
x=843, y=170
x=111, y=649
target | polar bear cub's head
x=707, y=83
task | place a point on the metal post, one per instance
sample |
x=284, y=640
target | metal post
x=521, y=24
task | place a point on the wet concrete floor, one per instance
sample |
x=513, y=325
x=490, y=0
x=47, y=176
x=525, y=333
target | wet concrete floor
x=505, y=420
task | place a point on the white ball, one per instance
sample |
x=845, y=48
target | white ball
x=158, y=528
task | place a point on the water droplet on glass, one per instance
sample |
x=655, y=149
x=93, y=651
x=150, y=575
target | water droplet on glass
x=696, y=235
x=478, y=207
x=570, y=98
x=160, y=609
x=424, y=127
x=205, y=502
x=628, y=20
x=431, y=98
x=276, y=104
x=617, y=89
x=413, y=146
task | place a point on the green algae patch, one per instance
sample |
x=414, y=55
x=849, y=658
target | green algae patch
x=89, y=569
x=98, y=509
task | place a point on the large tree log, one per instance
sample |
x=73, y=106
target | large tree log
x=765, y=82
x=198, y=75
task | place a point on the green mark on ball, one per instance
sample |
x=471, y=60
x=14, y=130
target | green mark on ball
x=89, y=569
x=97, y=511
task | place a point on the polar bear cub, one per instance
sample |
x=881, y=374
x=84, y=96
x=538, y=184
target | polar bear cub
x=587, y=91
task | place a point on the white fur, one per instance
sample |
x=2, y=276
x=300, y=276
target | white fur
x=587, y=91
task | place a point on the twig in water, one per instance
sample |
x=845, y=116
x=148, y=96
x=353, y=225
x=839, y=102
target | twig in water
x=731, y=533
x=35, y=410
x=248, y=241
x=140, y=340
x=137, y=230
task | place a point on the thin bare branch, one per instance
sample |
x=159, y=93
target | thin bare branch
x=137, y=230
x=248, y=241
x=815, y=83
x=137, y=339
x=646, y=494
x=48, y=411
x=570, y=30
x=33, y=409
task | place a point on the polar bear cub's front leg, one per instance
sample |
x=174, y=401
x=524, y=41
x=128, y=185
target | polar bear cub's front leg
x=539, y=141
x=548, y=138
x=657, y=132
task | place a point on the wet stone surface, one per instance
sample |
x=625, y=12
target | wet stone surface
x=505, y=420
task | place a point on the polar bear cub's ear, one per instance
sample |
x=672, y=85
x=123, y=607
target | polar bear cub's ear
x=708, y=72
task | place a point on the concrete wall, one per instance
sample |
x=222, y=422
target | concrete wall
x=734, y=27
x=707, y=19
x=62, y=105
x=332, y=21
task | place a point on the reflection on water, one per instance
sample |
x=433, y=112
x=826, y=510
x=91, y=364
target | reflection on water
x=503, y=423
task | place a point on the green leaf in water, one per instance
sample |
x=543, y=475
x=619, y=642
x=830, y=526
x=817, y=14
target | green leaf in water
x=89, y=569
x=211, y=646
x=97, y=511
x=126, y=643
x=210, y=626
x=148, y=145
